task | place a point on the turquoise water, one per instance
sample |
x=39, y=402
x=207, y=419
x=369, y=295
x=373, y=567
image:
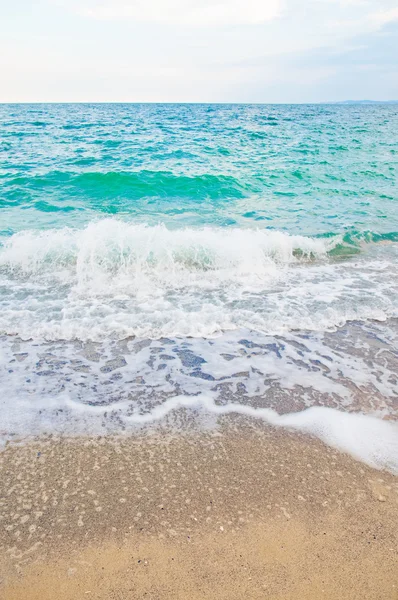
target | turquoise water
x=193, y=219
x=311, y=169
x=246, y=252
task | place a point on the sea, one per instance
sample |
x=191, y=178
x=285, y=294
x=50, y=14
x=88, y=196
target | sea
x=176, y=263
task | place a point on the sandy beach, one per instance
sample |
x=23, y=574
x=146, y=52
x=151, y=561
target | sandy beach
x=248, y=512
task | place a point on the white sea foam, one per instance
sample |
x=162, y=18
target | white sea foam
x=205, y=306
x=76, y=388
x=121, y=279
x=112, y=247
x=368, y=439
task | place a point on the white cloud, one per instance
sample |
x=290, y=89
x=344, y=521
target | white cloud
x=383, y=17
x=185, y=12
x=198, y=50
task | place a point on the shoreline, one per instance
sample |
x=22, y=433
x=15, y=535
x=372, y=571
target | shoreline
x=248, y=512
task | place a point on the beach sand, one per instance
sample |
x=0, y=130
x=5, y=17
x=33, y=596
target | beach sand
x=244, y=512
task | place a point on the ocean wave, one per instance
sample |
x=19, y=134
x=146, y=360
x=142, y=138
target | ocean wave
x=111, y=245
x=118, y=279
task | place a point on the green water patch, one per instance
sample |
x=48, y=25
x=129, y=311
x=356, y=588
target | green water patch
x=133, y=185
x=351, y=242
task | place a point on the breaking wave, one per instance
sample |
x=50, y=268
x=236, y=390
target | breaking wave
x=120, y=279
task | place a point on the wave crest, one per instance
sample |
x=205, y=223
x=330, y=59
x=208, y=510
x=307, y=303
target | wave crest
x=119, y=279
x=114, y=247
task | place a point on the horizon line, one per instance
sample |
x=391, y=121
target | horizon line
x=328, y=102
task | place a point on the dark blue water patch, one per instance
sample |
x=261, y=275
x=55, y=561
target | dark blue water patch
x=188, y=358
x=326, y=357
x=113, y=379
x=275, y=348
x=249, y=344
x=272, y=347
x=201, y=375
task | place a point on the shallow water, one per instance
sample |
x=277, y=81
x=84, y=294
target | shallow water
x=243, y=254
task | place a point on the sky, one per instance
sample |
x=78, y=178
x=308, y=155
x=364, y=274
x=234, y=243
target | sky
x=266, y=51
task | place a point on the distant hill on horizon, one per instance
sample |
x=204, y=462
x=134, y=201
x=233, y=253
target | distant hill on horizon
x=366, y=102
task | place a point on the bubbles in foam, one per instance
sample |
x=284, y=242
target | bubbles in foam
x=74, y=388
x=121, y=279
x=368, y=439
x=118, y=325
x=111, y=247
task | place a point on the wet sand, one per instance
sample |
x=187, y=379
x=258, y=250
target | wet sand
x=245, y=512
